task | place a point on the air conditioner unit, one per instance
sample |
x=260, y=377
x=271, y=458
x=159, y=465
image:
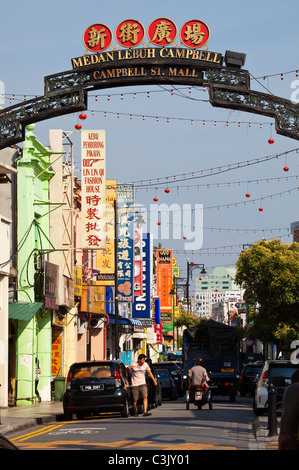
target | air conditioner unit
x=96, y=322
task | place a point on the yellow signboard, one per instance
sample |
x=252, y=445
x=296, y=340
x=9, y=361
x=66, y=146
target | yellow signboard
x=105, y=258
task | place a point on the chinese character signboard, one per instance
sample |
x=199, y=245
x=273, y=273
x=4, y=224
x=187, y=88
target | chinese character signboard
x=142, y=306
x=162, y=32
x=56, y=352
x=125, y=242
x=93, y=182
x=97, y=37
x=195, y=34
x=138, y=260
x=164, y=281
x=105, y=258
x=129, y=33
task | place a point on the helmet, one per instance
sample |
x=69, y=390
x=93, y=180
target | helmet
x=199, y=361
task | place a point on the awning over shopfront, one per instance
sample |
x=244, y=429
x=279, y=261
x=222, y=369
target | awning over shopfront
x=124, y=321
x=23, y=310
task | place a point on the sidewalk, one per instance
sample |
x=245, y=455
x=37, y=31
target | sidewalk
x=261, y=434
x=14, y=419
x=17, y=418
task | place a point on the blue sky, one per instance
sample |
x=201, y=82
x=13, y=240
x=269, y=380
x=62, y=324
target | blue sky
x=39, y=39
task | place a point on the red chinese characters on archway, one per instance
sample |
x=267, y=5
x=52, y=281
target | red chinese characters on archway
x=194, y=34
x=129, y=33
x=97, y=37
x=162, y=32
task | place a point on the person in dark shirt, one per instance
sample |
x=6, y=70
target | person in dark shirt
x=289, y=424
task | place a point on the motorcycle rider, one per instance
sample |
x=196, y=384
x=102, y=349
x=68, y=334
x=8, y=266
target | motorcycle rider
x=198, y=376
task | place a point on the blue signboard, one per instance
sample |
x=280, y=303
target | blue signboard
x=142, y=305
x=125, y=242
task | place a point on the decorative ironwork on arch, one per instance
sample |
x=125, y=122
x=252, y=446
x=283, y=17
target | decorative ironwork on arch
x=67, y=92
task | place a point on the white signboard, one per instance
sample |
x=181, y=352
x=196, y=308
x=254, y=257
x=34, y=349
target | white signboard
x=93, y=182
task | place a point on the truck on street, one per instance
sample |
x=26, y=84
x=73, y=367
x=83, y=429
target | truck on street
x=218, y=345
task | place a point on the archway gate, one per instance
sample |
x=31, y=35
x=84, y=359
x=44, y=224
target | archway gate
x=67, y=92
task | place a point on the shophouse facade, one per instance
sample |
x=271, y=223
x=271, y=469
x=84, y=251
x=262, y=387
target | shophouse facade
x=7, y=264
x=31, y=321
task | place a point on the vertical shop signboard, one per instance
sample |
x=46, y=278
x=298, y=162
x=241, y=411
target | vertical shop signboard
x=138, y=285
x=93, y=186
x=105, y=258
x=125, y=242
x=157, y=320
x=142, y=305
x=164, y=282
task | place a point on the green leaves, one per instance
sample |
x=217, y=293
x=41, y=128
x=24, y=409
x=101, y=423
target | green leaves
x=269, y=273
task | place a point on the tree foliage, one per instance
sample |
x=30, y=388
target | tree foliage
x=269, y=273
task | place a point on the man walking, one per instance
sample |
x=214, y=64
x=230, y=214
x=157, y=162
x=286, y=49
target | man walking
x=138, y=383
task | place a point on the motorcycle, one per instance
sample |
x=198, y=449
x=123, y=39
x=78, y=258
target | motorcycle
x=199, y=396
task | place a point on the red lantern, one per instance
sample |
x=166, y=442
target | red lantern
x=261, y=209
x=185, y=238
x=78, y=127
x=82, y=116
x=247, y=195
x=285, y=168
x=167, y=190
x=155, y=199
x=271, y=141
x=158, y=223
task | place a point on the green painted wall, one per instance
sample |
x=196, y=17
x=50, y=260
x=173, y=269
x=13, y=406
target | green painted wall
x=33, y=337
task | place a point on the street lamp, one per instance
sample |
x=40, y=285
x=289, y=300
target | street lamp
x=190, y=266
x=172, y=294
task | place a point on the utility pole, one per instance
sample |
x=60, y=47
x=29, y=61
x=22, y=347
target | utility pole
x=190, y=266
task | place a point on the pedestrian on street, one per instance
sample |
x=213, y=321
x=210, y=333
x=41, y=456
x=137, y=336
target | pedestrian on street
x=289, y=424
x=138, y=383
x=36, y=378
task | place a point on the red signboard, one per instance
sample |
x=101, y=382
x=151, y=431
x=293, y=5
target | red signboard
x=195, y=33
x=97, y=37
x=162, y=32
x=164, y=279
x=129, y=33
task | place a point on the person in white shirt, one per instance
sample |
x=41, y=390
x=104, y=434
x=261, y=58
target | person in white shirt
x=138, y=383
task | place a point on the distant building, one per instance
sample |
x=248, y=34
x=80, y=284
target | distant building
x=217, y=294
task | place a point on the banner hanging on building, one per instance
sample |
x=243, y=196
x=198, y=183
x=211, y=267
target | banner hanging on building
x=105, y=258
x=125, y=242
x=142, y=305
x=93, y=186
x=164, y=281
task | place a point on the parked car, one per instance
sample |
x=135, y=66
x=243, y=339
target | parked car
x=154, y=391
x=168, y=385
x=279, y=374
x=248, y=378
x=93, y=387
x=176, y=373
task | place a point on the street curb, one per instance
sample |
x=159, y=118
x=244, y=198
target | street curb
x=8, y=429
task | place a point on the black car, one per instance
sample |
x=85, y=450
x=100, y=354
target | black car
x=176, y=373
x=168, y=386
x=154, y=391
x=248, y=378
x=93, y=387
